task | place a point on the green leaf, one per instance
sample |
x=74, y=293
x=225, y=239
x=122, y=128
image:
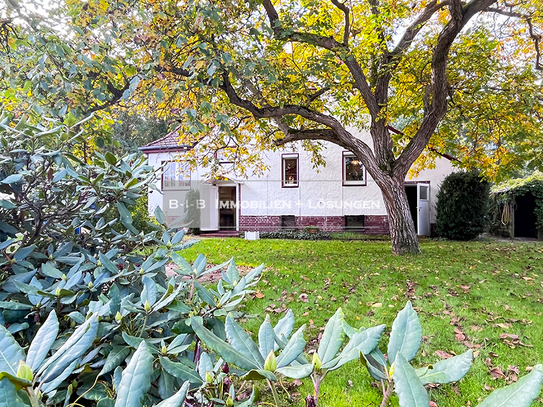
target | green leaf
x=42, y=342
x=332, y=338
x=242, y=341
x=361, y=342
x=9, y=396
x=110, y=158
x=48, y=269
x=136, y=379
x=266, y=338
x=223, y=349
x=10, y=352
x=519, y=394
x=408, y=386
x=60, y=378
x=72, y=341
x=448, y=370
x=376, y=364
x=181, y=371
x=114, y=359
x=249, y=402
x=293, y=349
x=108, y=264
x=159, y=216
x=296, y=372
x=406, y=334
x=259, y=374
x=124, y=213
x=177, y=399
x=12, y=179
x=204, y=294
x=149, y=292
x=73, y=352
x=18, y=382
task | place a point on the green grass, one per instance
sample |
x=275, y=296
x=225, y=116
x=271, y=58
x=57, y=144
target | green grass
x=481, y=289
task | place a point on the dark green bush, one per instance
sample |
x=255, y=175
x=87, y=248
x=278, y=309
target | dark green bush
x=462, y=206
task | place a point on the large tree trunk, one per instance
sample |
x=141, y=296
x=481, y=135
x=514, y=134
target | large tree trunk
x=402, y=228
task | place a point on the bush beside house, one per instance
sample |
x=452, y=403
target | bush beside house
x=462, y=206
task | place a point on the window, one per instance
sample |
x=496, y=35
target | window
x=290, y=170
x=354, y=223
x=354, y=172
x=176, y=175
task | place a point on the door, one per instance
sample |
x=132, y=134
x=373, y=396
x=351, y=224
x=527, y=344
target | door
x=423, y=206
x=209, y=212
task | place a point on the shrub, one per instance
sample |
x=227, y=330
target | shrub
x=462, y=205
x=101, y=319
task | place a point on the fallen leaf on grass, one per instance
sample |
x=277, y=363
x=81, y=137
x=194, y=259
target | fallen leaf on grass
x=443, y=355
x=497, y=373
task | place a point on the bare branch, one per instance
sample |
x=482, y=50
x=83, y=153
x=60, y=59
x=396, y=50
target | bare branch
x=346, y=11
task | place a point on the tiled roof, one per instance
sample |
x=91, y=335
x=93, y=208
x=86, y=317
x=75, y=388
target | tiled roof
x=169, y=142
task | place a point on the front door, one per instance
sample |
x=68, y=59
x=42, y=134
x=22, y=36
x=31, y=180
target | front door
x=209, y=211
x=423, y=206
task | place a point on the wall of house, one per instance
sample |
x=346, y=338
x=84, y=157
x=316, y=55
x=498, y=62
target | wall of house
x=320, y=199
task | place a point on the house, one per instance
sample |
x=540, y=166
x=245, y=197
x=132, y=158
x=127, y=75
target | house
x=291, y=194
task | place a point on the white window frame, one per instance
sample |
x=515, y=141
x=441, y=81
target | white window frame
x=176, y=178
x=346, y=182
x=284, y=182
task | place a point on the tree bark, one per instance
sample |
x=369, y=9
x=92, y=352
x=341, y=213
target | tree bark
x=403, y=233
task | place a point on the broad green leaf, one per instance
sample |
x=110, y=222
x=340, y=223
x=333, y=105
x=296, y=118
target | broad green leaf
x=409, y=388
x=223, y=349
x=205, y=365
x=42, y=342
x=79, y=333
x=12, y=179
x=361, y=342
x=10, y=352
x=406, y=334
x=149, y=292
x=266, y=338
x=114, y=359
x=18, y=382
x=293, y=348
x=50, y=270
x=9, y=396
x=242, y=341
x=124, y=213
x=177, y=399
x=181, y=371
x=376, y=364
x=204, y=294
x=72, y=353
x=108, y=264
x=296, y=372
x=58, y=380
x=110, y=158
x=259, y=374
x=136, y=379
x=332, y=338
x=519, y=394
x=448, y=370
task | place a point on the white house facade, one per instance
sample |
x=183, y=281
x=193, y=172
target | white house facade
x=290, y=194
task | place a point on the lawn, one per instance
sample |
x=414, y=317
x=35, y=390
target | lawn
x=485, y=295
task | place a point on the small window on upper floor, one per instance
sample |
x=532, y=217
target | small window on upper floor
x=290, y=168
x=354, y=172
x=176, y=175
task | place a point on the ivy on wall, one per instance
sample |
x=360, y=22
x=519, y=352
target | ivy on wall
x=507, y=192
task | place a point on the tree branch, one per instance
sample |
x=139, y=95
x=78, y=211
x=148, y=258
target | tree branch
x=330, y=44
x=346, y=11
x=460, y=15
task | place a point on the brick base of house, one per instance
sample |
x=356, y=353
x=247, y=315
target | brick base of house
x=373, y=224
